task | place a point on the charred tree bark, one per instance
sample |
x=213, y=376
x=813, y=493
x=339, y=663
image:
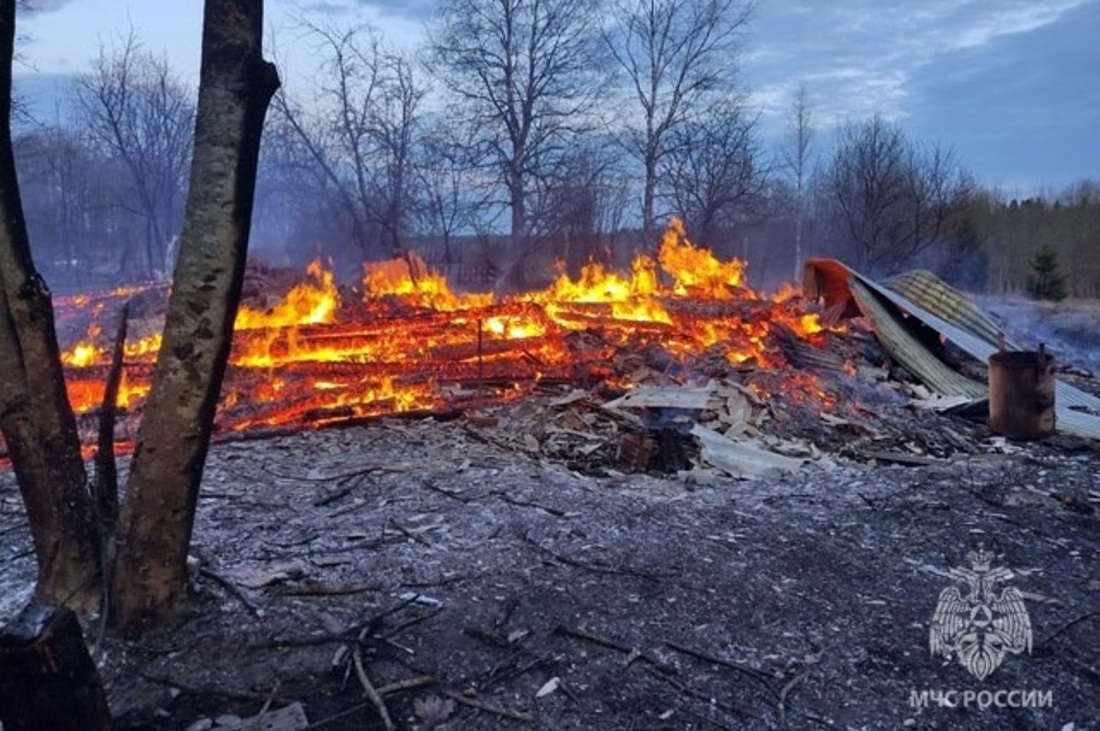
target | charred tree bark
x=48, y=681
x=235, y=88
x=35, y=415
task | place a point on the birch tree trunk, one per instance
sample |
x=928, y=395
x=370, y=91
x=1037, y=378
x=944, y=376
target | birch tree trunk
x=235, y=88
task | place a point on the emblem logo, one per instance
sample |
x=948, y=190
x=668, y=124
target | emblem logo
x=977, y=621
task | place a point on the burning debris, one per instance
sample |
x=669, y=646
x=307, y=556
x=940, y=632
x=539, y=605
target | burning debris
x=405, y=342
x=676, y=366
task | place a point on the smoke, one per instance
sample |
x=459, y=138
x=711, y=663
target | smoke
x=1070, y=332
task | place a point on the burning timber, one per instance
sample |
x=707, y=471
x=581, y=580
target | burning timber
x=404, y=342
x=778, y=385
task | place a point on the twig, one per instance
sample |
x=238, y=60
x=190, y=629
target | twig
x=417, y=681
x=577, y=563
x=452, y=494
x=232, y=589
x=523, y=504
x=799, y=677
x=1069, y=626
x=632, y=653
x=756, y=675
x=481, y=706
x=267, y=705
x=409, y=534
x=698, y=695
x=369, y=689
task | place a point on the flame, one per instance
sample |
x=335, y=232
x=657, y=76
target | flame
x=410, y=342
x=696, y=270
x=312, y=302
x=409, y=278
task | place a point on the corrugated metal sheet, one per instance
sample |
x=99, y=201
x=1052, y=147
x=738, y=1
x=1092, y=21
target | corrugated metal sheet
x=931, y=371
x=946, y=310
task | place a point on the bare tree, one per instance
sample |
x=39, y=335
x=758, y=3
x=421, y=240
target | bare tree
x=361, y=131
x=676, y=54
x=714, y=171
x=894, y=198
x=35, y=415
x=235, y=87
x=147, y=578
x=526, y=73
x=580, y=205
x=67, y=188
x=453, y=194
x=797, y=158
x=144, y=116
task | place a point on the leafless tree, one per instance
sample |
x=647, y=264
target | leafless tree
x=525, y=72
x=35, y=416
x=581, y=204
x=236, y=84
x=360, y=131
x=714, y=173
x=677, y=55
x=895, y=198
x=453, y=193
x=798, y=160
x=71, y=532
x=67, y=188
x=144, y=116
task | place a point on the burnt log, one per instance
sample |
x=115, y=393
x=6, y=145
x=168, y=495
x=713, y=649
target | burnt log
x=48, y=681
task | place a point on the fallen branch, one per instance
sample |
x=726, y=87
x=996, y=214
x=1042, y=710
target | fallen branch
x=368, y=687
x=232, y=589
x=756, y=675
x=481, y=706
x=632, y=653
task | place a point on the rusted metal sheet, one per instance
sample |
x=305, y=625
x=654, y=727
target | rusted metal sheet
x=1076, y=412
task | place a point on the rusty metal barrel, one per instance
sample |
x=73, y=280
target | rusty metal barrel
x=1021, y=393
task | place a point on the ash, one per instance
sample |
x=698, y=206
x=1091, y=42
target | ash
x=488, y=587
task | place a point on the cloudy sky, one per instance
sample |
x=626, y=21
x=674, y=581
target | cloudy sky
x=1011, y=85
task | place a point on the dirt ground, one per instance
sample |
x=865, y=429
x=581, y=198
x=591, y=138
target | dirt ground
x=509, y=592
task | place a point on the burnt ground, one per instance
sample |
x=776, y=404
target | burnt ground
x=796, y=602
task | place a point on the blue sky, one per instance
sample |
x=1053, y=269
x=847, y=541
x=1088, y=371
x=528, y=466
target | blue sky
x=1011, y=85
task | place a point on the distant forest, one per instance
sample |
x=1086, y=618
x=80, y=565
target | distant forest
x=513, y=141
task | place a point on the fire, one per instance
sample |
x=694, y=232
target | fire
x=312, y=302
x=697, y=271
x=410, y=278
x=410, y=342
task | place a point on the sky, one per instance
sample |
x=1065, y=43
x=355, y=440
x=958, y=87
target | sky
x=1010, y=85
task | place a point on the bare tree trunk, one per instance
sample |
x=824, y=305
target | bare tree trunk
x=35, y=416
x=236, y=86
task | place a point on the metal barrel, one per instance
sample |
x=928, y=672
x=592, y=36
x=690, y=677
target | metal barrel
x=1021, y=394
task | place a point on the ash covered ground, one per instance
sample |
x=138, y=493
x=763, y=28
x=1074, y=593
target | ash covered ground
x=486, y=585
x=803, y=601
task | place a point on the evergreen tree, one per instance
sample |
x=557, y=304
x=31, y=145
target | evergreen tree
x=1045, y=281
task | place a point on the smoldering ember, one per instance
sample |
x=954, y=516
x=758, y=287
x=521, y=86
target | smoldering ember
x=654, y=499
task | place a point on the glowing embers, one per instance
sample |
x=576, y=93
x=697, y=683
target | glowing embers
x=407, y=342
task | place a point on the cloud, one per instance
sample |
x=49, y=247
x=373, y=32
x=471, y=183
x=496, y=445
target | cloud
x=407, y=9
x=45, y=6
x=860, y=59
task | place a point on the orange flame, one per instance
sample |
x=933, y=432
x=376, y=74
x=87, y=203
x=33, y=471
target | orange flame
x=315, y=357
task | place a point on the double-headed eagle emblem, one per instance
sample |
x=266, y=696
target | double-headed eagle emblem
x=980, y=624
